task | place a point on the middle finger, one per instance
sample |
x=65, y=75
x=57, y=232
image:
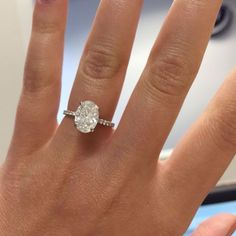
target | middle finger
x=172, y=66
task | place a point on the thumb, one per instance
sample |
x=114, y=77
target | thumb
x=220, y=225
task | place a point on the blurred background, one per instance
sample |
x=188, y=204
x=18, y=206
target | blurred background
x=15, y=23
x=220, y=58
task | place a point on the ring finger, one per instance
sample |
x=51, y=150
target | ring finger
x=103, y=64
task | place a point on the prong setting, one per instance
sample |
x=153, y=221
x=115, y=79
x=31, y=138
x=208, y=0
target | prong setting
x=86, y=117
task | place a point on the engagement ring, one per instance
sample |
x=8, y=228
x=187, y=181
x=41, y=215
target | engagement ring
x=86, y=117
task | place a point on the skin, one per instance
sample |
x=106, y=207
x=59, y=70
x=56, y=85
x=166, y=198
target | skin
x=58, y=181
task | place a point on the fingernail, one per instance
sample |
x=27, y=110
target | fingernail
x=45, y=1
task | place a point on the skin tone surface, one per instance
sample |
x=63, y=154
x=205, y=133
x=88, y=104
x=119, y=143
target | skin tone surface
x=57, y=181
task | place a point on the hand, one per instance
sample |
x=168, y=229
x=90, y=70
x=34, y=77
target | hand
x=58, y=181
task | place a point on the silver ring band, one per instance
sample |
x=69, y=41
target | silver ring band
x=100, y=121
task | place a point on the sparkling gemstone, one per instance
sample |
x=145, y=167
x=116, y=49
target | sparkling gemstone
x=87, y=117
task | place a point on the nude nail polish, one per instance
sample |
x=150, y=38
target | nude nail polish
x=45, y=1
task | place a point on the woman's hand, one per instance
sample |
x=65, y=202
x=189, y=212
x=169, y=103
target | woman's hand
x=58, y=181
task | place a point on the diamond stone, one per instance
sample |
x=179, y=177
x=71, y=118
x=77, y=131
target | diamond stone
x=87, y=117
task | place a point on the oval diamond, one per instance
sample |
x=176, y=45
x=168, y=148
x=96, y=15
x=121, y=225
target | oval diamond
x=87, y=117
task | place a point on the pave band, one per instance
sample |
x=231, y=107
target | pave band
x=100, y=121
x=87, y=117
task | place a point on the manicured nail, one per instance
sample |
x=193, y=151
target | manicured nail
x=45, y=1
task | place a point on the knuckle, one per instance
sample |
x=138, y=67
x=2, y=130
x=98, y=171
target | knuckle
x=31, y=82
x=46, y=27
x=100, y=62
x=36, y=77
x=168, y=77
x=199, y=4
x=228, y=132
x=224, y=127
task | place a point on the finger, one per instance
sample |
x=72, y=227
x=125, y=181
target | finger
x=103, y=65
x=206, y=150
x=170, y=71
x=220, y=225
x=37, y=110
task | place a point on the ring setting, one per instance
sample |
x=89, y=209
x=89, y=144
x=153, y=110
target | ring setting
x=86, y=117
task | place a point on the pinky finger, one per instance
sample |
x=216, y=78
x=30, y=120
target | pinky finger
x=37, y=111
